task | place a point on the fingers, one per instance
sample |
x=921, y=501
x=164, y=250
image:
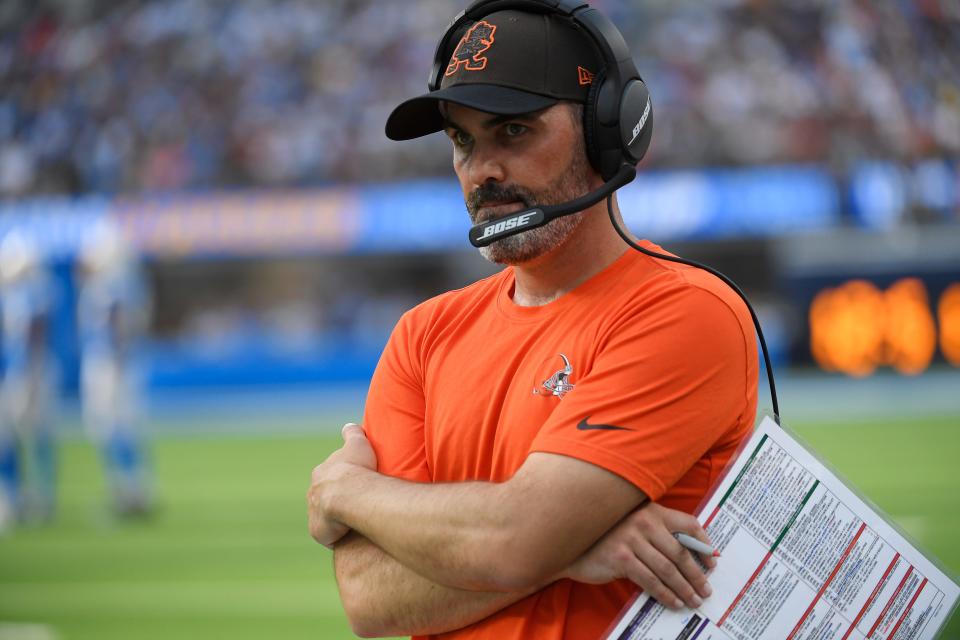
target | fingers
x=322, y=529
x=677, y=571
x=679, y=522
x=690, y=576
x=641, y=575
x=326, y=532
x=356, y=448
x=351, y=430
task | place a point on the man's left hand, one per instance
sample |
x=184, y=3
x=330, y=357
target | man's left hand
x=355, y=452
x=642, y=548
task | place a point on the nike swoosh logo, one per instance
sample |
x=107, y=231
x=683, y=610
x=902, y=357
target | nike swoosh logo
x=586, y=426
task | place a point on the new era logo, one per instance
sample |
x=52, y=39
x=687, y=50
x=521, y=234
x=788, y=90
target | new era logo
x=586, y=78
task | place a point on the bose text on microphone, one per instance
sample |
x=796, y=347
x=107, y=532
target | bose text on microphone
x=490, y=231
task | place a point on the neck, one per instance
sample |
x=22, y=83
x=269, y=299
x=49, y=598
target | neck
x=593, y=247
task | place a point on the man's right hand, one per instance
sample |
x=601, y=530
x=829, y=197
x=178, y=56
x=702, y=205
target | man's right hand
x=356, y=451
x=641, y=548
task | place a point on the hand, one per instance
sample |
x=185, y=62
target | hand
x=641, y=547
x=355, y=452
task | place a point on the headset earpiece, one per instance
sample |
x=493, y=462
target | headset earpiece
x=607, y=146
x=636, y=120
x=590, y=121
x=616, y=125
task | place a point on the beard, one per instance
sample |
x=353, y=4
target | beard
x=523, y=247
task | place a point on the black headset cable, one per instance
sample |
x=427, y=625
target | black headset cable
x=692, y=263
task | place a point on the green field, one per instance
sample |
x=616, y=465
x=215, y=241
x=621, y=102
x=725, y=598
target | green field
x=229, y=556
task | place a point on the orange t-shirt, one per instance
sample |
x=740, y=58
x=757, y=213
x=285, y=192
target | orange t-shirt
x=664, y=350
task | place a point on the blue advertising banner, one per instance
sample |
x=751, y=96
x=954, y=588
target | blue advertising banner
x=429, y=215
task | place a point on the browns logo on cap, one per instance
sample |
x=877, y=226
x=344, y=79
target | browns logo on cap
x=478, y=39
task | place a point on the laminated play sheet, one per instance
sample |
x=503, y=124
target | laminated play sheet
x=802, y=557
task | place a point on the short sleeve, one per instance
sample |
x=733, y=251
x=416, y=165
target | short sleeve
x=394, y=413
x=669, y=380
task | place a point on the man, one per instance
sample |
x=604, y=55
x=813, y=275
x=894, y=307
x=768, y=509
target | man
x=112, y=313
x=521, y=428
x=27, y=440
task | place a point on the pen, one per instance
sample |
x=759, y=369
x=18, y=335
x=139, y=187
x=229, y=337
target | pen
x=695, y=545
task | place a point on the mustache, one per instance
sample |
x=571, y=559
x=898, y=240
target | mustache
x=492, y=192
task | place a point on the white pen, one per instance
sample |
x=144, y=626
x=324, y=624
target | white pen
x=695, y=545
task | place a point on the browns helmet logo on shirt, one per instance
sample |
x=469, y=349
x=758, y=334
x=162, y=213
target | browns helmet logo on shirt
x=558, y=384
x=475, y=41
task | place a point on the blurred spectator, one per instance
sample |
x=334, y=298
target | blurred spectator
x=127, y=97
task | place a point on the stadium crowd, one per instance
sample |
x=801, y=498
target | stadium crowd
x=129, y=97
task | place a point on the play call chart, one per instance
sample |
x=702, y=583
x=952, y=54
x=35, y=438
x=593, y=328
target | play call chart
x=802, y=557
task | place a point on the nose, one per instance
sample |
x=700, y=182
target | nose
x=485, y=165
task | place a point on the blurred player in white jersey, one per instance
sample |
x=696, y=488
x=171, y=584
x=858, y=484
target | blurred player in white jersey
x=113, y=310
x=27, y=448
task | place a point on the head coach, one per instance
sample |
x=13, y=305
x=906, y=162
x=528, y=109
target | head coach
x=531, y=442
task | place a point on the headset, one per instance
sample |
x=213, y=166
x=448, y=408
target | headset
x=617, y=127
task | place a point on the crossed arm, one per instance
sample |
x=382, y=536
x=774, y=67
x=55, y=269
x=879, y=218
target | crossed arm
x=427, y=558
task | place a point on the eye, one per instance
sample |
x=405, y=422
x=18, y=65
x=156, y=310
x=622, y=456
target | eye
x=460, y=139
x=514, y=129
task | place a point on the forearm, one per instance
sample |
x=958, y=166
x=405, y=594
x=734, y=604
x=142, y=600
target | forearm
x=383, y=597
x=481, y=536
x=450, y=533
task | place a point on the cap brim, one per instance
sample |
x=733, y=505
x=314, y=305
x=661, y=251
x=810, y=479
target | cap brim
x=421, y=115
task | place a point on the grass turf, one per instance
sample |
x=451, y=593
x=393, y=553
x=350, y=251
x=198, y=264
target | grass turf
x=229, y=557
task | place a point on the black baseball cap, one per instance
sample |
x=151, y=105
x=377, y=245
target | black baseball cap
x=507, y=63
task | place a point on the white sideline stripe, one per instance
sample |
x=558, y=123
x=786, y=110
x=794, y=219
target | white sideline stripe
x=27, y=631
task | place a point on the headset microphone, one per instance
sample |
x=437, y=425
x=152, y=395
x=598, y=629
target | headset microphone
x=490, y=231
